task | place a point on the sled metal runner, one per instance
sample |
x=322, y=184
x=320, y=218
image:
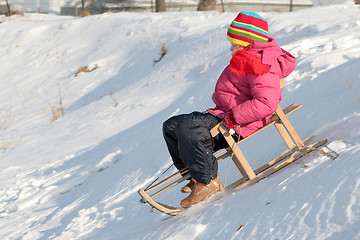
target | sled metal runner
x=296, y=150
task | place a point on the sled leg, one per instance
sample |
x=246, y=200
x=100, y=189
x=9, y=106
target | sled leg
x=285, y=121
x=285, y=136
x=238, y=157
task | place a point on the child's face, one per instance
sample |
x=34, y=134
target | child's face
x=234, y=47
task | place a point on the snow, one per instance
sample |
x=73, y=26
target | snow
x=77, y=177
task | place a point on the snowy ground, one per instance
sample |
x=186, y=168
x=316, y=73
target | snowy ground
x=77, y=177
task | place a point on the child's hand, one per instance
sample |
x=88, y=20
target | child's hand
x=230, y=123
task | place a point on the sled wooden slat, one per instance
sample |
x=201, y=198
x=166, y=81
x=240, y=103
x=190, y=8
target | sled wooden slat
x=168, y=179
x=285, y=121
x=187, y=176
x=282, y=83
x=238, y=157
x=285, y=135
x=290, y=109
x=283, y=126
x=274, y=119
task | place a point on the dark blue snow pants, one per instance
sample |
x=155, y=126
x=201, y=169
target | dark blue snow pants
x=190, y=144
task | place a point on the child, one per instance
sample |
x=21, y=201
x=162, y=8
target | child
x=246, y=95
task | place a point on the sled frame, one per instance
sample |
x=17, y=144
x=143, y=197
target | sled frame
x=296, y=149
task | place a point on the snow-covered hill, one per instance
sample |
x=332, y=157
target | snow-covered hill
x=77, y=177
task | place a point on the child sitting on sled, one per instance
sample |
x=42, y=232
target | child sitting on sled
x=246, y=95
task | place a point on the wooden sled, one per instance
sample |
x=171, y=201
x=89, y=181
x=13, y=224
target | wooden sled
x=296, y=149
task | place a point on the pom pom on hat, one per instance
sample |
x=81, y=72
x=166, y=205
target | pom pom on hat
x=248, y=27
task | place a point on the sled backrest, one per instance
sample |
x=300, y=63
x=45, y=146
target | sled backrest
x=282, y=83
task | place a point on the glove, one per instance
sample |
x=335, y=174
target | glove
x=230, y=122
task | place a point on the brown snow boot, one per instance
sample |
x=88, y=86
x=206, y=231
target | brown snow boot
x=201, y=191
x=188, y=187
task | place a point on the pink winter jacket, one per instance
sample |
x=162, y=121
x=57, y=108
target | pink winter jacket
x=253, y=98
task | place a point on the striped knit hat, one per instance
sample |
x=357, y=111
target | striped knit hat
x=248, y=27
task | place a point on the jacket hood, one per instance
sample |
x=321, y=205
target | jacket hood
x=280, y=61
